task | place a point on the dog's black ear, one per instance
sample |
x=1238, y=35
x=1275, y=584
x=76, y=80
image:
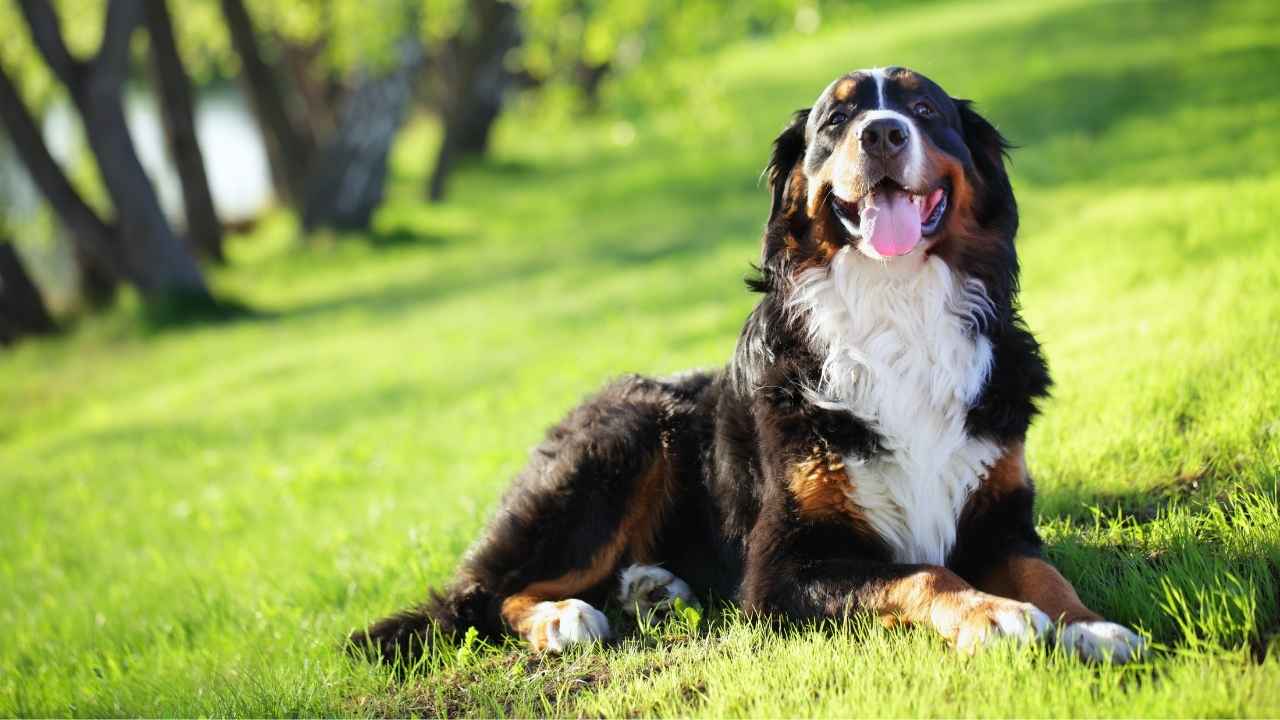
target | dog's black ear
x=987, y=146
x=989, y=150
x=994, y=208
x=788, y=149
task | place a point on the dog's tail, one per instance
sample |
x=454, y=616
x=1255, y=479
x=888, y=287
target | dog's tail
x=410, y=634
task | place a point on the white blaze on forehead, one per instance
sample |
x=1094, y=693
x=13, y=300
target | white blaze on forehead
x=879, y=75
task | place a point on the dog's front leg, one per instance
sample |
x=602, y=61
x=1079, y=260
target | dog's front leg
x=804, y=569
x=811, y=554
x=1031, y=579
x=998, y=549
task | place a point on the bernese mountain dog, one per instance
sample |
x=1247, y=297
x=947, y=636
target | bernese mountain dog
x=862, y=450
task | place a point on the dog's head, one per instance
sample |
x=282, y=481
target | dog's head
x=887, y=162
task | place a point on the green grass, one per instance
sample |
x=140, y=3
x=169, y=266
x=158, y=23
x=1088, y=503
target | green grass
x=193, y=518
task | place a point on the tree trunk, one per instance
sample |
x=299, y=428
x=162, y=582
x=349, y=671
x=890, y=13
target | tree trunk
x=96, y=244
x=204, y=231
x=316, y=86
x=22, y=310
x=161, y=263
x=96, y=285
x=289, y=149
x=473, y=80
x=346, y=182
x=153, y=258
x=466, y=136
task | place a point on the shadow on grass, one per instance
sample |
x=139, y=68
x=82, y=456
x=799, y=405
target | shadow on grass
x=403, y=296
x=627, y=238
x=508, y=679
x=1198, y=568
x=181, y=310
x=400, y=236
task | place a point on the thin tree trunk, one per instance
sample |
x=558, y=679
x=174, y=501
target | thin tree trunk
x=22, y=310
x=96, y=284
x=473, y=82
x=92, y=237
x=466, y=136
x=204, y=231
x=156, y=261
x=319, y=90
x=347, y=179
x=289, y=149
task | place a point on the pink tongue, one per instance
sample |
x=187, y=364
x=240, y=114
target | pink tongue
x=891, y=222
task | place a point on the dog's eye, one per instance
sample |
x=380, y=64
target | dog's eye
x=837, y=118
x=923, y=109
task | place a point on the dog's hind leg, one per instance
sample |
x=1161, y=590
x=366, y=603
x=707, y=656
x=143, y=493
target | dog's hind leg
x=550, y=613
x=590, y=501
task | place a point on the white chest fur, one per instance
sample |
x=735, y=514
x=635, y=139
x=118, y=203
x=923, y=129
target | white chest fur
x=900, y=353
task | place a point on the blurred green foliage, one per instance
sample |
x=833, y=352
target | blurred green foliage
x=559, y=34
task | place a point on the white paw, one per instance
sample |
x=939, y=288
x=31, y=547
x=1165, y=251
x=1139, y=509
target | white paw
x=1025, y=623
x=990, y=620
x=642, y=588
x=557, y=625
x=1021, y=622
x=1099, y=640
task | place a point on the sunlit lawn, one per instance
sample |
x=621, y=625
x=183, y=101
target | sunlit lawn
x=193, y=518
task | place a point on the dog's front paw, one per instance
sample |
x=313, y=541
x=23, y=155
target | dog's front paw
x=555, y=626
x=986, y=619
x=642, y=588
x=1098, y=640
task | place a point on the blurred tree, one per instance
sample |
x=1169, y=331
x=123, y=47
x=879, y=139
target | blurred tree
x=97, y=246
x=581, y=43
x=145, y=251
x=96, y=279
x=576, y=42
x=22, y=310
x=348, y=176
x=289, y=146
x=204, y=231
x=318, y=84
x=472, y=78
x=96, y=284
x=330, y=166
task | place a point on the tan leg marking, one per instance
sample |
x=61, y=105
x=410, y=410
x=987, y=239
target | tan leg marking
x=524, y=611
x=1080, y=630
x=967, y=618
x=1028, y=579
x=1035, y=581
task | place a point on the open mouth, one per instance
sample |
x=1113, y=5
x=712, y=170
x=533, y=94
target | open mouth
x=892, y=218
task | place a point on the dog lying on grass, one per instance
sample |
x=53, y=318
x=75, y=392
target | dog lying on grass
x=862, y=450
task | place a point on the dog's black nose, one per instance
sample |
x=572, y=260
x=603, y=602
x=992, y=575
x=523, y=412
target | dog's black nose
x=884, y=137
